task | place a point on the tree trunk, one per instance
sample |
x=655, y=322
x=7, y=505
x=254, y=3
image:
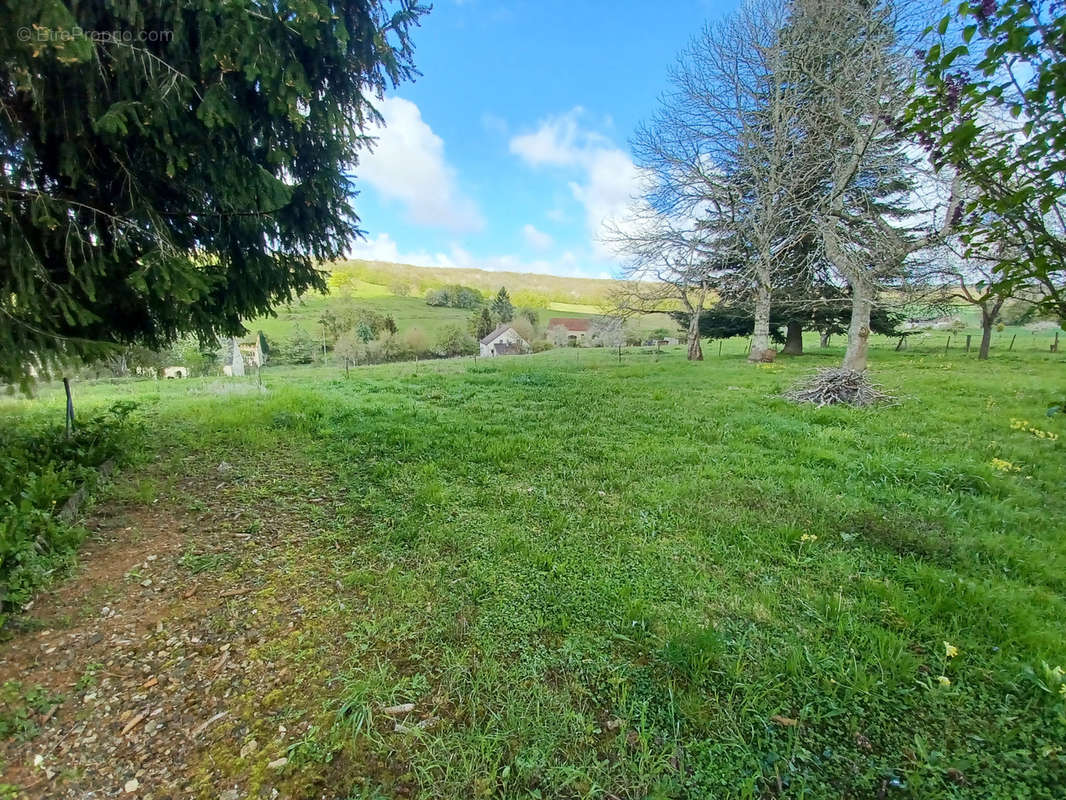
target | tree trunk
x=859, y=330
x=988, y=319
x=986, y=339
x=793, y=339
x=695, y=349
x=760, y=341
x=823, y=341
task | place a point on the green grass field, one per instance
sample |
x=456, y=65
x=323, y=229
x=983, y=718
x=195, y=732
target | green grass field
x=651, y=578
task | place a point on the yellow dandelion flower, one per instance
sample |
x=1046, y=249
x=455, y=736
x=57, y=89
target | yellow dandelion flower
x=950, y=650
x=1003, y=465
x=808, y=537
x=944, y=680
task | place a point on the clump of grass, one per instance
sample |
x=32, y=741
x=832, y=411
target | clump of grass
x=838, y=386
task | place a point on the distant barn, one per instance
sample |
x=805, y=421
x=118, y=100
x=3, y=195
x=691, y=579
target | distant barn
x=577, y=328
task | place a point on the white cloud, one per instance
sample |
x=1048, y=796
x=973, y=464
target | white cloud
x=537, y=239
x=408, y=165
x=384, y=248
x=610, y=179
x=558, y=140
x=607, y=195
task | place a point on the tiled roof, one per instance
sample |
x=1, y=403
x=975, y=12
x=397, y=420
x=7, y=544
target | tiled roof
x=570, y=323
x=492, y=336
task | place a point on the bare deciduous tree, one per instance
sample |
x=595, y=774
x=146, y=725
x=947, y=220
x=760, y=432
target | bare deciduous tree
x=667, y=264
x=723, y=151
x=848, y=52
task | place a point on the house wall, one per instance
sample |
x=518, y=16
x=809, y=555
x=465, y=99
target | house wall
x=236, y=359
x=509, y=336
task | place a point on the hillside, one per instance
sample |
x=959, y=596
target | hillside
x=399, y=290
x=527, y=289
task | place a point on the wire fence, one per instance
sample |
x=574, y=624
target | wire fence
x=957, y=342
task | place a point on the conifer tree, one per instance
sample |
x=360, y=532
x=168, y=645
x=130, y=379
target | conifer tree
x=502, y=306
x=184, y=177
x=483, y=324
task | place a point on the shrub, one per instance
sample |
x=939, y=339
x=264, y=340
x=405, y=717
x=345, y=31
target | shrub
x=413, y=344
x=455, y=296
x=297, y=348
x=524, y=328
x=454, y=341
x=39, y=470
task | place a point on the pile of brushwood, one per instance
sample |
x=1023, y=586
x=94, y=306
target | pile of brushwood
x=835, y=386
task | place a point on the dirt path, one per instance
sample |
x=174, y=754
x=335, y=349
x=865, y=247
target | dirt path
x=161, y=668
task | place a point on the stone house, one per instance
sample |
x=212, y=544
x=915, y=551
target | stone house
x=252, y=353
x=504, y=341
x=577, y=328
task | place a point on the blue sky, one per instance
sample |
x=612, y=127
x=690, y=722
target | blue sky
x=512, y=148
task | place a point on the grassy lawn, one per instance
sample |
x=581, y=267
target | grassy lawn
x=651, y=578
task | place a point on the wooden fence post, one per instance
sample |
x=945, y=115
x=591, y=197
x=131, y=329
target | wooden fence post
x=70, y=407
x=968, y=343
x=1015, y=336
x=947, y=344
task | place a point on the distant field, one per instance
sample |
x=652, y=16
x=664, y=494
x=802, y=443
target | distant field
x=593, y=578
x=576, y=308
x=527, y=291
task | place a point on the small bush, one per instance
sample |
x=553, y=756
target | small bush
x=39, y=470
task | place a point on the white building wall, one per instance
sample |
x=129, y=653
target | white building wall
x=509, y=336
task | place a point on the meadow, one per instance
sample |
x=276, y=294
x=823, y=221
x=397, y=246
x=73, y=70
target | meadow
x=604, y=577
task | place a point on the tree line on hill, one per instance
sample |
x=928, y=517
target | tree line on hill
x=817, y=164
